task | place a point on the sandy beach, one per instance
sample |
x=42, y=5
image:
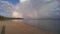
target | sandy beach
x=22, y=28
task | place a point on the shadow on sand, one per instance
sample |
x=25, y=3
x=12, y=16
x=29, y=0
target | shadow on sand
x=3, y=30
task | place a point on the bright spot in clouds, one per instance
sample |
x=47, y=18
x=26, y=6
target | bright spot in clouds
x=48, y=0
x=30, y=8
x=17, y=15
x=22, y=1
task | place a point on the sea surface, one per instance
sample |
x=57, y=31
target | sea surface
x=53, y=25
x=50, y=25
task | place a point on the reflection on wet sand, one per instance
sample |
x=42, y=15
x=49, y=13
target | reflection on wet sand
x=17, y=27
x=3, y=30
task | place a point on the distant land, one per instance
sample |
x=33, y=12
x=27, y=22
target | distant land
x=11, y=18
x=8, y=18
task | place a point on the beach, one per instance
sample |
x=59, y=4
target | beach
x=22, y=28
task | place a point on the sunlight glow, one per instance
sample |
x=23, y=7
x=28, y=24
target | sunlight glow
x=22, y=1
x=48, y=0
x=17, y=15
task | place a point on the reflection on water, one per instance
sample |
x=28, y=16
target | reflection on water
x=11, y=21
x=17, y=20
x=51, y=25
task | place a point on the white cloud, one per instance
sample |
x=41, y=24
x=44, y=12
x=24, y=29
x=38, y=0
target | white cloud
x=31, y=9
x=35, y=9
x=48, y=0
x=6, y=7
x=22, y=1
x=17, y=15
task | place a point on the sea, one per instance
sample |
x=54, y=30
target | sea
x=49, y=25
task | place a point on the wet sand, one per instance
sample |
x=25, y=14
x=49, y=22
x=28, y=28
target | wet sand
x=21, y=28
x=0, y=27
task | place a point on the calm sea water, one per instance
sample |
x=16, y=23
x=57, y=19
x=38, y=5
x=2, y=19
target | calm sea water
x=51, y=25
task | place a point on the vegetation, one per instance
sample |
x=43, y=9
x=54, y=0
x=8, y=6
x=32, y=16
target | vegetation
x=3, y=18
x=6, y=18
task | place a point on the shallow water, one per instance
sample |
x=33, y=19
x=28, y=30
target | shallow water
x=50, y=25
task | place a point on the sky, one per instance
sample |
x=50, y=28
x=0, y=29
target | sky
x=29, y=8
x=14, y=2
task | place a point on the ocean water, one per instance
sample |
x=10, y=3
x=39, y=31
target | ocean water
x=51, y=25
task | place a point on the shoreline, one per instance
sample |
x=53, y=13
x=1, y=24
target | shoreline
x=23, y=28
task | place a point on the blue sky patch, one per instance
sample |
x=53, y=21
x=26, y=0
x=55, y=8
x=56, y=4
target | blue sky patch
x=14, y=2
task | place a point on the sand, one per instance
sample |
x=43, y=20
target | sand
x=0, y=27
x=22, y=28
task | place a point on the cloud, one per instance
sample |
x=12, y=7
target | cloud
x=32, y=8
x=22, y=1
x=37, y=8
x=6, y=8
x=17, y=15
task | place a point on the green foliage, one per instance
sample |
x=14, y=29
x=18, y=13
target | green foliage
x=3, y=18
x=8, y=18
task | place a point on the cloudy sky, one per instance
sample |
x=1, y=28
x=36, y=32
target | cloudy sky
x=29, y=8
